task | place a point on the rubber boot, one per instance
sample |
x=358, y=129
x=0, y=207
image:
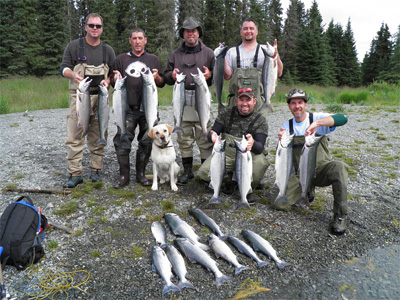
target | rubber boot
x=187, y=174
x=142, y=159
x=124, y=171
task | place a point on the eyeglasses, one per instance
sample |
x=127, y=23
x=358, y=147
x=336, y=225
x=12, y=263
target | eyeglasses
x=245, y=90
x=98, y=26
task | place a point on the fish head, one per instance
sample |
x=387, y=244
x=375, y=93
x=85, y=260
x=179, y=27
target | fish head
x=312, y=139
x=219, y=145
x=156, y=249
x=286, y=139
x=219, y=49
x=147, y=76
x=84, y=84
x=180, y=77
x=103, y=90
x=242, y=145
x=212, y=237
x=119, y=84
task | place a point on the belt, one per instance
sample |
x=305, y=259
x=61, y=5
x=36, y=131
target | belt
x=94, y=91
x=135, y=107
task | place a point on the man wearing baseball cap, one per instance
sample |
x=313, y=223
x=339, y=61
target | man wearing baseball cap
x=190, y=56
x=234, y=123
x=327, y=172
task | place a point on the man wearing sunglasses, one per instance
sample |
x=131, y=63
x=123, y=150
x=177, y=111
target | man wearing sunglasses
x=234, y=123
x=327, y=172
x=130, y=65
x=244, y=64
x=191, y=55
x=86, y=57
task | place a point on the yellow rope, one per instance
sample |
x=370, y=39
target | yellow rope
x=55, y=284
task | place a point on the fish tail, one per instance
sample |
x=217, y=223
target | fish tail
x=177, y=128
x=169, y=288
x=101, y=141
x=240, y=269
x=223, y=237
x=186, y=285
x=243, y=205
x=282, y=199
x=221, y=280
x=262, y=263
x=304, y=199
x=203, y=134
x=270, y=107
x=282, y=264
x=216, y=200
x=203, y=246
x=164, y=245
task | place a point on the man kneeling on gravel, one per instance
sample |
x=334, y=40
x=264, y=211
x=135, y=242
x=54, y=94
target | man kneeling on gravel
x=234, y=123
x=327, y=172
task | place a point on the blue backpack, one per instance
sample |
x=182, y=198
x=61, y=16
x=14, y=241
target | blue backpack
x=22, y=231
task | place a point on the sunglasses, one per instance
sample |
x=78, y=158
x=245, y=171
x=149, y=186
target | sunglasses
x=95, y=25
x=245, y=90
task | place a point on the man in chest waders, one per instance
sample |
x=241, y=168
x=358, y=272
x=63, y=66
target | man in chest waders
x=86, y=57
x=244, y=63
x=234, y=123
x=327, y=172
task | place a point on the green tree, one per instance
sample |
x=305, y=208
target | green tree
x=274, y=21
x=213, y=25
x=287, y=45
x=377, y=60
x=392, y=74
x=53, y=34
x=164, y=42
x=312, y=60
x=232, y=22
x=350, y=69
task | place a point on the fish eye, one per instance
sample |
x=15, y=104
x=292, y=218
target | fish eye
x=143, y=70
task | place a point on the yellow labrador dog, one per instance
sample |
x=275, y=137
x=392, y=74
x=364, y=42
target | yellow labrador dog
x=163, y=156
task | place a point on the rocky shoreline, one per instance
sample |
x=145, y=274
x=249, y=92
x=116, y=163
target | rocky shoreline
x=112, y=239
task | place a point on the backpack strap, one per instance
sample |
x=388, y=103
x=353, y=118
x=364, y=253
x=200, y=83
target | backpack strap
x=104, y=52
x=250, y=129
x=256, y=57
x=229, y=127
x=291, y=130
x=237, y=57
x=81, y=57
x=29, y=200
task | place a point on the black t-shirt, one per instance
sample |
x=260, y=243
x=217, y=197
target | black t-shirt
x=130, y=66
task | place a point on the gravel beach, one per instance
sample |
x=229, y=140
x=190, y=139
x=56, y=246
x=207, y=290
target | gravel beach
x=112, y=239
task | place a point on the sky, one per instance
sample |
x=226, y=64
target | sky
x=366, y=17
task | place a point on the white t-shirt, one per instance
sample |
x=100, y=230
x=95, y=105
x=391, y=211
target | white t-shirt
x=300, y=128
x=247, y=57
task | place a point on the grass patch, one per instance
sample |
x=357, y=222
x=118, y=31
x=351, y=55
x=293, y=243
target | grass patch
x=151, y=218
x=167, y=206
x=137, y=252
x=147, y=204
x=10, y=186
x=91, y=221
x=121, y=193
x=335, y=108
x=67, y=209
x=137, y=211
x=249, y=288
x=95, y=254
x=19, y=176
x=98, y=210
x=52, y=244
x=78, y=232
x=14, y=125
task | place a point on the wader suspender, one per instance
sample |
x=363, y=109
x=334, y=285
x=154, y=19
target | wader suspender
x=255, y=57
x=310, y=117
x=82, y=57
x=249, y=129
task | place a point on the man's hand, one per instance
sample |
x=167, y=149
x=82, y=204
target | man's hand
x=280, y=133
x=117, y=75
x=250, y=141
x=157, y=78
x=174, y=72
x=76, y=76
x=214, y=136
x=207, y=72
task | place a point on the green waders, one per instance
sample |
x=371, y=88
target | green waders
x=260, y=162
x=327, y=173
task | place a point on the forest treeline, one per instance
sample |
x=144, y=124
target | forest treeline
x=34, y=33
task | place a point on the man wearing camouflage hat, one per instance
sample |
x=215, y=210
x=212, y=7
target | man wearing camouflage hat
x=187, y=58
x=234, y=123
